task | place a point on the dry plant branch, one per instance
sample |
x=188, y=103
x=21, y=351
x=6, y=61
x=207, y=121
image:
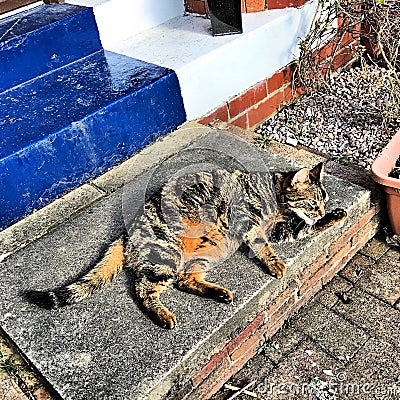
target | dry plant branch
x=372, y=28
x=240, y=391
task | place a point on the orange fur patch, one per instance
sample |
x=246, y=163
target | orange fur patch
x=201, y=237
x=110, y=265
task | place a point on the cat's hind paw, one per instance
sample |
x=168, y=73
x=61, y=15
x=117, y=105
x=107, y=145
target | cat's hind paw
x=277, y=268
x=166, y=319
x=224, y=295
x=217, y=293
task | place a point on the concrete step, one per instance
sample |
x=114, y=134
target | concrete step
x=44, y=38
x=106, y=347
x=73, y=123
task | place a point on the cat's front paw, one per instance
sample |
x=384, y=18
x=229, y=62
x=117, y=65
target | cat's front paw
x=338, y=214
x=331, y=218
x=277, y=268
x=166, y=319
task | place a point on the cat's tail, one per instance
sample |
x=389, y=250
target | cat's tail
x=99, y=276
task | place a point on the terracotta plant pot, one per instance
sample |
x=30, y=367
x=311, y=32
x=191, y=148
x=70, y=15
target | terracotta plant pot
x=380, y=170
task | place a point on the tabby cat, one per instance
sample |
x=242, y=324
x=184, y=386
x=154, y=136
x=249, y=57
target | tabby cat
x=196, y=221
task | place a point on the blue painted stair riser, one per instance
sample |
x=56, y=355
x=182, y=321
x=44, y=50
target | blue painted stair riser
x=44, y=38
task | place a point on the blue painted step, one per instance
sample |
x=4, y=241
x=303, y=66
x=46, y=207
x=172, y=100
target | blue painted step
x=44, y=38
x=60, y=129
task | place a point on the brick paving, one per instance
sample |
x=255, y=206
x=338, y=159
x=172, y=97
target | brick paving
x=17, y=379
x=9, y=390
x=345, y=344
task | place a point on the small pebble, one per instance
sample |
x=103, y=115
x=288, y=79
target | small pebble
x=292, y=141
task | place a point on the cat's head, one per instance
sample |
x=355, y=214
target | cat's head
x=303, y=192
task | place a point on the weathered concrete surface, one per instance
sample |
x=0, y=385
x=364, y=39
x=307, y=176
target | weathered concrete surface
x=106, y=348
x=44, y=220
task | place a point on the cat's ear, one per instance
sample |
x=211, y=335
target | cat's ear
x=318, y=172
x=278, y=177
x=281, y=181
x=301, y=177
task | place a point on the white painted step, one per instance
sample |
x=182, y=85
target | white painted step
x=213, y=69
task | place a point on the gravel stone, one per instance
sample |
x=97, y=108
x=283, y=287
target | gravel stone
x=342, y=120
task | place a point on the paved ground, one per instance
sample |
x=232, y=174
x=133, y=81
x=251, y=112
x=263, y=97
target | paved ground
x=17, y=380
x=343, y=345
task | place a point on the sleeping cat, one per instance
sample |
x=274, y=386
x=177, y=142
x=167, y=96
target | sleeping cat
x=195, y=222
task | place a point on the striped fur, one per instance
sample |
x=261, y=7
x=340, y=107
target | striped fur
x=195, y=222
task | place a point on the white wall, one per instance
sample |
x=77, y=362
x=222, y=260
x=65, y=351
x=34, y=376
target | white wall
x=120, y=19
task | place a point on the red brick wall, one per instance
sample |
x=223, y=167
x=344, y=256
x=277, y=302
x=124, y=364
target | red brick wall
x=256, y=104
x=274, y=4
x=248, y=6
x=261, y=101
x=196, y=6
